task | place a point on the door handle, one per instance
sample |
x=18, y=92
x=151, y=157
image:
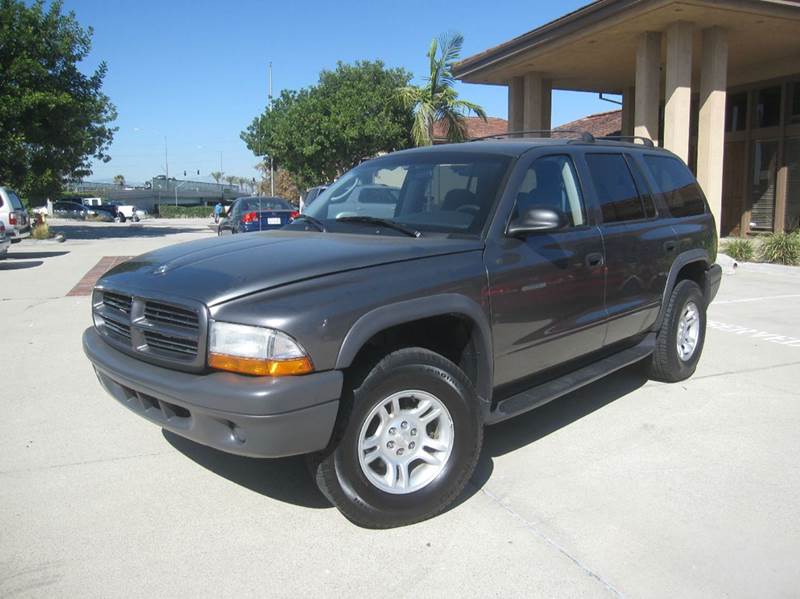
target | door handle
x=669, y=246
x=594, y=259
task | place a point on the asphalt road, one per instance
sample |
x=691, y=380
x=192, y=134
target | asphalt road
x=626, y=488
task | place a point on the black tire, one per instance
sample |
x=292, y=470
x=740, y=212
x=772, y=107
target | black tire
x=665, y=364
x=338, y=472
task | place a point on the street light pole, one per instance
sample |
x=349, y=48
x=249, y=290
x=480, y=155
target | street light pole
x=269, y=107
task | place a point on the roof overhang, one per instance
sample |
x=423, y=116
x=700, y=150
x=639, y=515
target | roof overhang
x=594, y=47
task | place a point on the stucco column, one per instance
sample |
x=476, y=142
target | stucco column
x=711, y=125
x=628, y=98
x=678, y=92
x=538, y=92
x=648, y=85
x=516, y=101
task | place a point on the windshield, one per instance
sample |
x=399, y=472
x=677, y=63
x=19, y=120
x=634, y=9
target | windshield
x=445, y=192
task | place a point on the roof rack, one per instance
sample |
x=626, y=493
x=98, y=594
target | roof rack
x=580, y=135
x=632, y=138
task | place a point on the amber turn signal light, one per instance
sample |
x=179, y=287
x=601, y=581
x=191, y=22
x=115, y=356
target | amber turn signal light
x=257, y=367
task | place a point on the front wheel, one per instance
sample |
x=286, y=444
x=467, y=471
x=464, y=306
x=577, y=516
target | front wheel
x=408, y=445
x=680, y=339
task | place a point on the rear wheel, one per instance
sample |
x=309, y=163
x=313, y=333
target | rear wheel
x=406, y=445
x=681, y=337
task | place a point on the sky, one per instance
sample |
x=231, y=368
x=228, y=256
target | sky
x=195, y=72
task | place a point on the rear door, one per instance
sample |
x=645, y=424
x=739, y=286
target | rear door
x=639, y=246
x=546, y=290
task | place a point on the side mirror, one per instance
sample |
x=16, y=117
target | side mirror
x=537, y=220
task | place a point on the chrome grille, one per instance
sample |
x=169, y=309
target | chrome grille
x=118, y=302
x=157, y=312
x=153, y=329
x=170, y=344
x=117, y=328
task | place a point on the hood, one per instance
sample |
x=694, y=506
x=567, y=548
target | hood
x=220, y=269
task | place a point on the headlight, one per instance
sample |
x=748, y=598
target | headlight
x=255, y=350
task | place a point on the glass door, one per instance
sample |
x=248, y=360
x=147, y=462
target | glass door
x=764, y=184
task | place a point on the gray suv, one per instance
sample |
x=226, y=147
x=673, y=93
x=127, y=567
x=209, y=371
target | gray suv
x=424, y=295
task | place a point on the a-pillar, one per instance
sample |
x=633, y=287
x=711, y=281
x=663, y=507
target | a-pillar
x=711, y=124
x=678, y=91
x=648, y=85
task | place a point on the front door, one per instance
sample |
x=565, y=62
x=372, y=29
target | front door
x=546, y=289
x=734, y=173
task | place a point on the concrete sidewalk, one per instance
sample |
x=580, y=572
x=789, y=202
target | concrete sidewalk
x=625, y=488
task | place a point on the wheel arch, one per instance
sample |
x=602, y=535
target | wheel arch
x=691, y=265
x=409, y=311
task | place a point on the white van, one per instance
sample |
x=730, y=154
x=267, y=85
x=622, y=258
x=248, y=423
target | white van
x=13, y=216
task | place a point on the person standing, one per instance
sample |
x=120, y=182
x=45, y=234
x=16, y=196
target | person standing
x=217, y=212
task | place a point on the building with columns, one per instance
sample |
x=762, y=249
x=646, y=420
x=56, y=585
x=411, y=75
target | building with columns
x=717, y=82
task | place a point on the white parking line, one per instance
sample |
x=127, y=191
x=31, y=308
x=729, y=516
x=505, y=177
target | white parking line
x=737, y=329
x=754, y=299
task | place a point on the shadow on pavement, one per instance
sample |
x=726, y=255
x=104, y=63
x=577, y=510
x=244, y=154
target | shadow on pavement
x=119, y=231
x=288, y=479
x=284, y=479
x=528, y=428
x=6, y=265
x=34, y=255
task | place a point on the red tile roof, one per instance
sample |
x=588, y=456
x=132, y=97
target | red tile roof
x=476, y=127
x=599, y=125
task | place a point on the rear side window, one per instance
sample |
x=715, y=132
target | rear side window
x=616, y=191
x=681, y=191
x=16, y=203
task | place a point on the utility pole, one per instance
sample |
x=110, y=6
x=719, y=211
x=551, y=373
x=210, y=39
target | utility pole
x=269, y=107
x=166, y=157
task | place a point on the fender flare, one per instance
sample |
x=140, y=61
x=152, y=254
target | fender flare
x=687, y=257
x=384, y=317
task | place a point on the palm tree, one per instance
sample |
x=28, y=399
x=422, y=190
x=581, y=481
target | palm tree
x=231, y=179
x=119, y=180
x=437, y=100
x=217, y=176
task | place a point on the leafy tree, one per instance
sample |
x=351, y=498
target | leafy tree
x=437, y=100
x=53, y=117
x=217, y=176
x=119, y=180
x=316, y=134
x=285, y=186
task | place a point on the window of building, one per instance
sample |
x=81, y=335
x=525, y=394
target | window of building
x=616, y=191
x=676, y=183
x=551, y=183
x=736, y=112
x=768, y=107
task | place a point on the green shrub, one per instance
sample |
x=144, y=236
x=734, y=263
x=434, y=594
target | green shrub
x=741, y=250
x=781, y=248
x=167, y=211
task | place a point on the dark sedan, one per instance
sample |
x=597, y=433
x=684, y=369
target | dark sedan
x=251, y=213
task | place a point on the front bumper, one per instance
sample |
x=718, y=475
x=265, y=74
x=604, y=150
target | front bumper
x=251, y=416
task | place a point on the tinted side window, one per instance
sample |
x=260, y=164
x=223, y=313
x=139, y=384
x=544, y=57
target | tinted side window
x=551, y=183
x=619, y=199
x=673, y=179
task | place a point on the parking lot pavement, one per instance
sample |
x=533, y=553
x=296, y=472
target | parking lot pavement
x=625, y=488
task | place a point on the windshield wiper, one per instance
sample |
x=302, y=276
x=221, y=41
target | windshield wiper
x=318, y=224
x=384, y=222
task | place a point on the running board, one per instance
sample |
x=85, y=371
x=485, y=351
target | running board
x=541, y=394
